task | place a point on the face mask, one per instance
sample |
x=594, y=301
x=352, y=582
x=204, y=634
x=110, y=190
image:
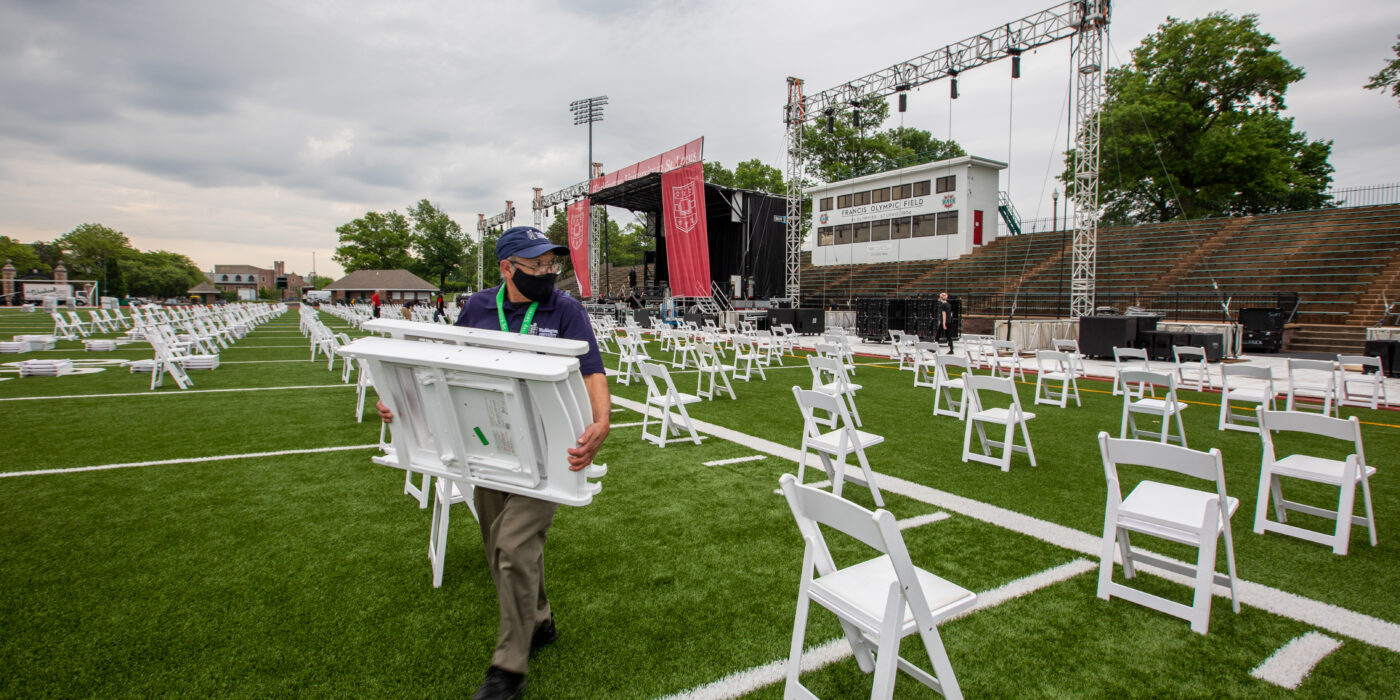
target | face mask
x=534, y=288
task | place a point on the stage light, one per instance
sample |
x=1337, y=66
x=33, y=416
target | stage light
x=830, y=121
x=953, y=85
x=903, y=102
x=855, y=118
x=1015, y=63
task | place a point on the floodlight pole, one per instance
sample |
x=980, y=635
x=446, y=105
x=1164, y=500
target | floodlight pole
x=587, y=111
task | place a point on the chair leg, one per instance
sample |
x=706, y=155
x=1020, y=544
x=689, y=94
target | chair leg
x=1261, y=504
x=1008, y=446
x=1205, y=580
x=887, y=658
x=1026, y=435
x=870, y=478
x=1346, y=504
x=1180, y=427
x=1110, y=532
x=1370, y=513
x=967, y=438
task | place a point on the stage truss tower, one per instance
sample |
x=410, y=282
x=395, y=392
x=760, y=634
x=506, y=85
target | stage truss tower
x=504, y=220
x=1086, y=19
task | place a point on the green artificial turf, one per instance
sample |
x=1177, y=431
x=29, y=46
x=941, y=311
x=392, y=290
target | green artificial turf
x=307, y=575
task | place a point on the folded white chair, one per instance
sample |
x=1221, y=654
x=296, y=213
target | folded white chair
x=447, y=493
x=925, y=367
x=1345, y=474
x=878, y=601
x=1198, y=518
x=1007, y=355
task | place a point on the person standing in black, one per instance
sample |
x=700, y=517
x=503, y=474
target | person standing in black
x=945, y=317
x=632, y=278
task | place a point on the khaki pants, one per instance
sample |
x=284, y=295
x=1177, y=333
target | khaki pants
x=513, y=531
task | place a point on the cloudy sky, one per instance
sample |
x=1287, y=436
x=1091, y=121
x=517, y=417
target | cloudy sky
x=245, y=132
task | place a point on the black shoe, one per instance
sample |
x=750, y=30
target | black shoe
x=500, y=684
x=544, y=635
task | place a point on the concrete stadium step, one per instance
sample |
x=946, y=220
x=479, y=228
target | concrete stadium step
x=1328, y=338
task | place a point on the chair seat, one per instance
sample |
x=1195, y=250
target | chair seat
x=835, y=388
x=954, y=383
x=860, y=591
x=1157, y=406
x=1057, y=376
x=998, y=415
x=1327, y=471
x=1167, y=511
x=667, y=402
x=830, y=441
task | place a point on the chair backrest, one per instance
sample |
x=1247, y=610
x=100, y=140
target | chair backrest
x=813, y=508
x=656, y=378
x=811, y=402
x=1005, y=347
x=1067, y=346
x=1295, y=364
x=1182, y=460
x=1142, y=376
x=1187, y=353
x=1363, y=360
x=946, y=361
x=1051, y=361
x=1347, y=429
x=826, y=370
x=976, y=384
x=1247, y=372
x=1129, y=354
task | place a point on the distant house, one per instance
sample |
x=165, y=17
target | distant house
x=248, y=279
x=206, y=293
x=397, y=284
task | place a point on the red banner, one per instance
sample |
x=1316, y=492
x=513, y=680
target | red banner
x=687, y=238
x=693, y=152
x=577, y=216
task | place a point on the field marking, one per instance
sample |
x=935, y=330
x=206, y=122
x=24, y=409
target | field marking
x=186, y=392
x=921, y=520
x=1294, y=661
x=735, y=460
x=625, y=425
x=1348, y=623
x=814, y=658
x=187, y=460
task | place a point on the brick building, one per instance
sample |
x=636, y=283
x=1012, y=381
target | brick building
x=247, y=279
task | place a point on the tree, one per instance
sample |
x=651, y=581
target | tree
x=160, y=274
x=21, y=255
x=95, y=252
x=437, y=239
x=374, y=242
x=1193, y=128
x=320, y=281
x=1389, y=76
x=848, y=150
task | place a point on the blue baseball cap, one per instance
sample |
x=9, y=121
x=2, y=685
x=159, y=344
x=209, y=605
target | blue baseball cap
x=526, y=242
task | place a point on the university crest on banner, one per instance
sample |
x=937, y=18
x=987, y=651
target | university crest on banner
x=687, y=211
x=578, y=232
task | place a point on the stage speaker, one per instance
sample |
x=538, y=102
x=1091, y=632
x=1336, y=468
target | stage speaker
x=777, y=317
x=1098, y=335
x=1161, y=342
x=811, y=321
x=1212, y=343
x=642, y=317
x=1262, y=319
x=1389, y=353
x=1145, y=323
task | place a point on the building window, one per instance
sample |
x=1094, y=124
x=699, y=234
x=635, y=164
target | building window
x=901, y=192
x=923, y=225
x=860, y=233
x=921, y=188
x=826, y=204
x=862, y=198
x=880, y=195
x=843, y=201
x=880, y=230
x=947, y=183
x=238, y=278
x=843, y=234
x=947, y=223
x=826, y=235
x=899, y=228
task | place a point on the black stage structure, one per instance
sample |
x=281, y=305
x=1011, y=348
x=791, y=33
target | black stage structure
x=746, y=234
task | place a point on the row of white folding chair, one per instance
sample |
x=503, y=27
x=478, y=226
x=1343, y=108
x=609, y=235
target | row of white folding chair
x=710, y=366
x=748, y=358
x=979, y=351
x=632, y=353
x=829, y=376
x=829, y=431
x=64, y=329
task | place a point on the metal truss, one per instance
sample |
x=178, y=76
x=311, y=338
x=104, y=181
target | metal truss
x=1085, y=18
x=1089, y=66
x=503, y=220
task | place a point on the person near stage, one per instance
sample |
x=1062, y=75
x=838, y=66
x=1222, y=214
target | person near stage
x=632, y=278
x=944, y=314
x=514, y=526
x=374, y=301
x=439, y=308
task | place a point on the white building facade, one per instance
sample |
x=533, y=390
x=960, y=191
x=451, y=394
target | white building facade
x=932, y=211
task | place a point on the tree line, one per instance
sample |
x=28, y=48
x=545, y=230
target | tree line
x=105, y=255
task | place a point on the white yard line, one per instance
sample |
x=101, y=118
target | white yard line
x=1292, y=663
x=190, y=460
x=1372, y=630
x=186, y=392
x=747, y=681
x=736, y=460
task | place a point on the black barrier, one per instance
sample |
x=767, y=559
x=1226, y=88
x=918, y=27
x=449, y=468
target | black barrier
x=1212, y=343
x=1098, y=335
x=811, y=321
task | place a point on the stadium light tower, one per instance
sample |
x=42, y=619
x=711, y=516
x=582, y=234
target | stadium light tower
x=587, y=111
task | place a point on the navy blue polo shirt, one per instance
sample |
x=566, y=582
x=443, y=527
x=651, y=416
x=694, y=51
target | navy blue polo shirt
x=560, y=316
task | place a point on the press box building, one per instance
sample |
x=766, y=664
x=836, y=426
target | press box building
x=932, y=211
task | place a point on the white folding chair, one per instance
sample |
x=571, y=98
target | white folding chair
x=1361, y=382
x=878, y=601
x=1198, y=518
x=1006, y=354
x=661, y=393
x=829, y=376
x=631, y=353
x=1315, y=379
x=945, y=403
x=711, y=367
x=925, y=367
x=828, y=431
x=447, y=492
x=1071, y=348
x=1128, y=358
x=1166, y=408
x=1244, y=384
x=1343, y=473
x=1010, y=418
x=1192, y=371
x=1055, y=366
x=747, y=359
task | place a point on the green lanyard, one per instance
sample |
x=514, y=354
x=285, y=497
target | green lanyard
x=501, y=312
